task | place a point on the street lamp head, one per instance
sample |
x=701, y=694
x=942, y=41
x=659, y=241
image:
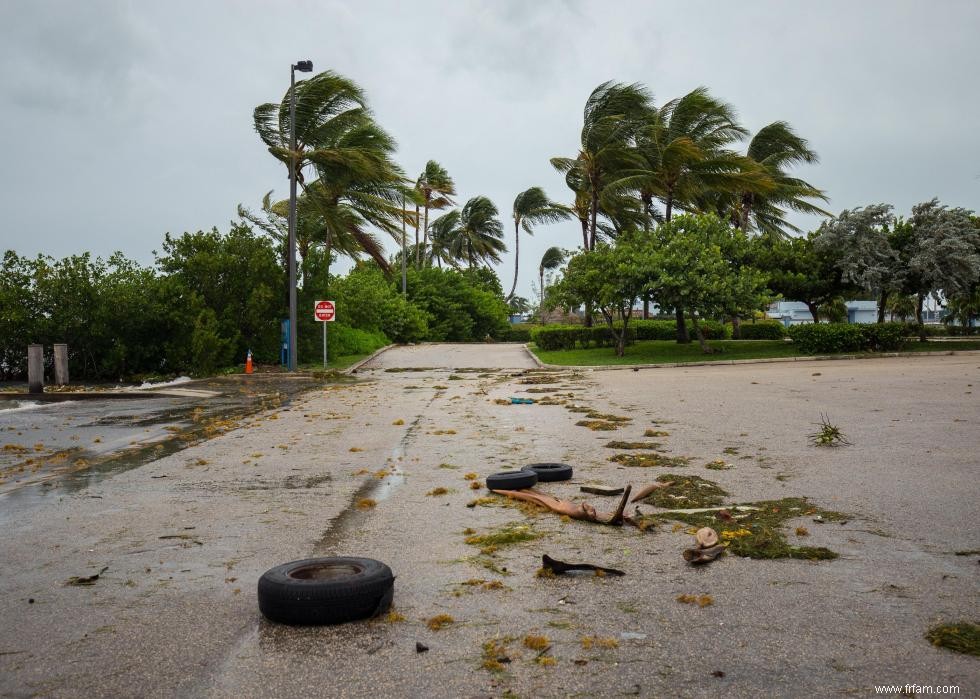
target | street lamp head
x=304, y=66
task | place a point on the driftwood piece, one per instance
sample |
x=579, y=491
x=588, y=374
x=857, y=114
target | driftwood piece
x=647, y=489
x=583, y=510
x=560, y=567
x=601, y=490
x=696, y=556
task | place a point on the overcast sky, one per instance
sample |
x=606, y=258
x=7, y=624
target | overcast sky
x=122, y=121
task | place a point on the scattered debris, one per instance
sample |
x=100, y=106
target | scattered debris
x=495, y=655
x=582, y=510
x=420, y=647
x=84, y=581
x=601, y=490
x=599, y=425
x=829, y=435
x=437, y=491
x=706, y=537
x=366, y=503
x=512, y=533
x=588, y=642
x=649, y=459
x=718, y=465
x=647, y=489
x=440, y=621
x=702, y=601
x=685, y=491
x=696, y=556
x=632, y=636
x=560, y=567
x=656, y=433
x=537, y=642
x=963, y=637
x=521, y=401
x=633, y=445
x=399, y=421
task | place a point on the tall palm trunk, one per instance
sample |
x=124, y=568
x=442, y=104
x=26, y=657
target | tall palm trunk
x=517, y=255
x=418, y=250
x=425, y=227
x=683, y=337
x=541, y=294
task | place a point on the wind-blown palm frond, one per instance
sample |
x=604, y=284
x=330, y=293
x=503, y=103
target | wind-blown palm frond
x=478, y=237
x=532, y=207
x=613, y=112
x=775, y=148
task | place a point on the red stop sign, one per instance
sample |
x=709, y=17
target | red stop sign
x=325, y=310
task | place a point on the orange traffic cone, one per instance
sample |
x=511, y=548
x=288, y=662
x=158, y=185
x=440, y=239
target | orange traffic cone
x=248, y=362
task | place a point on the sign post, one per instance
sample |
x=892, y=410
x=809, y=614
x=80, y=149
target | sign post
x=325, y=312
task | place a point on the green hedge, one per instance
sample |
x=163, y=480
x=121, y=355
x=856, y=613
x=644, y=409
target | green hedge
x=667, y=330
x=514, y=333
x=834, y=338
x=765, y=330
x=565, y=337
x=912, y=330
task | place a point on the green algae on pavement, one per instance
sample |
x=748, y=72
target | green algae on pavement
x=963, y=637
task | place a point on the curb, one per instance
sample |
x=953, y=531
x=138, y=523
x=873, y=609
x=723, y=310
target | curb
x=733, y=362
x=534, y=358
x=353, y=369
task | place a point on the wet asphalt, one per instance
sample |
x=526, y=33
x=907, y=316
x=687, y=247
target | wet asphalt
x=184, y=536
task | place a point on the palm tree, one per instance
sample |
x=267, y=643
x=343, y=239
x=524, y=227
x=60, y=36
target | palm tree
x=612, y=115
x=552, y=259
x=775, y=148
x=532, y=207
x=434, y=189
x=475, y=234
x=683, y=155
x=358, y=184
x=443, y=231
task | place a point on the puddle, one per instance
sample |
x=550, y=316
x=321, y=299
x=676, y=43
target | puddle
x=87, y=442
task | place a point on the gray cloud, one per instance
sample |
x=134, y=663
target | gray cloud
x=122, y=121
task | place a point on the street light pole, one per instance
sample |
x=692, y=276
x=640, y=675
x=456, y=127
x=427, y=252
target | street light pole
x=304, y=67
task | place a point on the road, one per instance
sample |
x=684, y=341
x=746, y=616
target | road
x=185, y=537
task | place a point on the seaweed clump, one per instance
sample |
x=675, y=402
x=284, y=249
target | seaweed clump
x=686, y=492
x=648, y=459
x=963, y=637
x=633, y=445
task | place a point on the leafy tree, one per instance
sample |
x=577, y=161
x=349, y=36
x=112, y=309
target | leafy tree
x=942, y=254
x=858, y=245
x=694, y=262
x=532, y=207
x=460, y=306
x=610, y=278
x=233, y=275
x=798, y=272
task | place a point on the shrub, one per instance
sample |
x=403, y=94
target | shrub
x=343, y=340
x=834, y=338
x=556, y=337
x=514, y=333
x=761, y=331
x=882, y=337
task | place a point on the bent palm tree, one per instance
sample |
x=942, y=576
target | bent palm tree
x=775, y=148
x=434, y=189
x=532, y=207
x=478, y=236
x=358, y=183
x=552, y=259
x=612, y=114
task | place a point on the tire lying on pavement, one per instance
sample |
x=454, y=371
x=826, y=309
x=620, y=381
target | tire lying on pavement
x=512, y=480
x=326, y=590
x=550, y=472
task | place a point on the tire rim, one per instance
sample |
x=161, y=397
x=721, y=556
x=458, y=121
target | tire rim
x=327, y=571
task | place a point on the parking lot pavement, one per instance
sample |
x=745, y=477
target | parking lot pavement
x=185, y=538
x=454, y=356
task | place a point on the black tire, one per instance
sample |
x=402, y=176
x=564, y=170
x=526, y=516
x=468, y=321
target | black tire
x=512, y=480
x=550, y=472
x=318, y=591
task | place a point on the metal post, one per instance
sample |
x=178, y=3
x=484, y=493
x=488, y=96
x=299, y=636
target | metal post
x=61, y=364
x=404, y=253
x=292, y=218
x=324, y=344
x=35, y=368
